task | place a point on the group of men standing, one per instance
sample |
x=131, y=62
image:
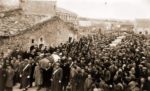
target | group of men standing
x=85, y=65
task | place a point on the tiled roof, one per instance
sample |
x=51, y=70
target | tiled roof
x=5, y=9
x=13, y=25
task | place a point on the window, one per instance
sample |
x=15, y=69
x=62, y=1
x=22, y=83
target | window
x=32, y=41
x=140, y=32
x=41, y=39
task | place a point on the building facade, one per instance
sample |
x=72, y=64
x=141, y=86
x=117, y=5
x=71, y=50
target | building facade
x=67, y=16
x=22, y=31
x=142, y=26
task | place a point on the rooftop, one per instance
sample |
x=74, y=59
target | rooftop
x=65, y=11
x=6, y=9
x=15, y=24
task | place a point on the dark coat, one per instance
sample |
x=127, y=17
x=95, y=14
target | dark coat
x=56, y=78
x=25, y=73
x=66, y=74
x=9, y=78
x=47, y=75
x=2, y=79
x=80, y=80
x=146, y=86
x=32, y=72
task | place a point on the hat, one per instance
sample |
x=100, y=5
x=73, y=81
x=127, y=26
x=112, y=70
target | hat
x=26, y=59
x=69, y=58
x=143, y=58
x=60, y=54
x=144, y=68
x=64, y=57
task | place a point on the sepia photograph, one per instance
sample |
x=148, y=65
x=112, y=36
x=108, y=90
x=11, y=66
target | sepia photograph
x=74, y=45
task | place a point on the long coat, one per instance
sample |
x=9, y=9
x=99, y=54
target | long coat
x=16, y=75
x=56, y=78
x=88, y=84
x=32, y=72
x=80, y=80
x=38, y=76
x=2, y=79
x=66, y=74
x=9, y=77
x=73, y=74
x=47, y=75
x=25, y=72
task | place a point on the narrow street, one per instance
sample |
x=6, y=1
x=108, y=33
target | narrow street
x=117, y=41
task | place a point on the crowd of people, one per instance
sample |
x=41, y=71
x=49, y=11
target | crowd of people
x=89, y=64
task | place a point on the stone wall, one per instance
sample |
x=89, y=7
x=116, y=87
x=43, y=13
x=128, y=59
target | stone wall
x=53, y=32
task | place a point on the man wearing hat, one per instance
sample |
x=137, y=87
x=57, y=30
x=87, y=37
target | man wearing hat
x=57, y=78
x=25, y=74
x=66, y=72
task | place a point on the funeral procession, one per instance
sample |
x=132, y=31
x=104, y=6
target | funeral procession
x=74, y=45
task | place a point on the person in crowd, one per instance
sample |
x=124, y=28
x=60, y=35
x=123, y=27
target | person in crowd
x=146, y=84
x=80, y=79
x=9, y=78
x=88, y=83
x=97, y=88
x=38, y=76
x=89, y=64
x=47, y=76
x=21, y=66
x=16, y=65
x=57, y=78
x=2, y=78
x=32, y=63
x=25, y=74
x=66, y=74
x=73, y=73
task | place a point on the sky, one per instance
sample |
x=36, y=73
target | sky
x=108, y=9
x=9, y=2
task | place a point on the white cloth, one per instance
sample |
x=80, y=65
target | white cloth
x=56, y=57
